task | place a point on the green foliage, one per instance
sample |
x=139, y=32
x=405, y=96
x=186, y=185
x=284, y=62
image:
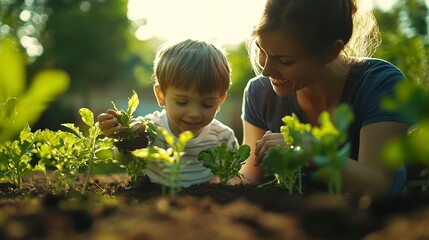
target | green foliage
x=16, y=23
x=327, y=146
x=285, y=164
x=412, y=102
x=136, y=168
x=225, y=163
x=15, y=157
x=405, y=39
x=241, y=69
x=89, y=41
x=324, y=145
x=71, y=153
x=168, y=160
x=20, y=105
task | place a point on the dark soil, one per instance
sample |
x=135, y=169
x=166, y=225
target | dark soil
x=112, y=209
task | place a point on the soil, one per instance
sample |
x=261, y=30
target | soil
x=113, y=209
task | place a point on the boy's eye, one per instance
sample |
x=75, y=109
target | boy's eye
x=206, y=105
x=286, y=61
x=181, y=103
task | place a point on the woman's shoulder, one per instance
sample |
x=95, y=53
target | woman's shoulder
x=377, y=67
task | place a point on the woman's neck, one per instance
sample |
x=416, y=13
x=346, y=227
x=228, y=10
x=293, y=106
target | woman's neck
x=325, y=94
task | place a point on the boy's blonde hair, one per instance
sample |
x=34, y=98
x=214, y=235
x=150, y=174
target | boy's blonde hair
x=192, y=64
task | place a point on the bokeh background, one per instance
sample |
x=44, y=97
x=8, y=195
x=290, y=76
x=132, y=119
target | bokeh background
x=107, y=46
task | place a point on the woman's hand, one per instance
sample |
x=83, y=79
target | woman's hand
x=109, y=125
x=269, y=140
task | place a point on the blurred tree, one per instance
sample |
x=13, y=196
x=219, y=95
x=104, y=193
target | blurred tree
x=93, y=42
x=89, y=40
x=24, y=20
x=404, y=35
x=241, y=69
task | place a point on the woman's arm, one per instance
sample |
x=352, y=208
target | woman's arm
x=251, y=135
x=368, y=175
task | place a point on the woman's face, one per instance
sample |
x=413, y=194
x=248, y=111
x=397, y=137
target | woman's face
x=289, y=66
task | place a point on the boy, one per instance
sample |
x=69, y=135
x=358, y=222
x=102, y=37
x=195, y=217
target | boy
x=192, y=78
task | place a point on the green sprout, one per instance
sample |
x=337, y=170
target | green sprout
x=225, y=163
x=168, y=160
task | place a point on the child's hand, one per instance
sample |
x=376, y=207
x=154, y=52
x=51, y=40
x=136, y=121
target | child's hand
x=109, y=125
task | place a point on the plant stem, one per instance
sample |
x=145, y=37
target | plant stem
x=91, y=161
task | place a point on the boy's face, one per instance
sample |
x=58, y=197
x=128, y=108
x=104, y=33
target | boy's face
x=187, y=110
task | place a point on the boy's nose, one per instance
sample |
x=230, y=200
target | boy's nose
x=194, y=112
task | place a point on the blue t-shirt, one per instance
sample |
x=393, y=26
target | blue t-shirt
x=368, y=82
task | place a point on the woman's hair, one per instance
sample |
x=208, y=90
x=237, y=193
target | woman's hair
x=317, y=24
x=192, y=64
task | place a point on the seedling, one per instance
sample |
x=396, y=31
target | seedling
x=71, y=153
x=168, y=160
x=135, y=139
x=15, y=158
x=328, y=147
x=225, y=163
x=285, y=163
x=324, y=145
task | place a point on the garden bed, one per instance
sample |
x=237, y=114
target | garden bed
x=111, y=209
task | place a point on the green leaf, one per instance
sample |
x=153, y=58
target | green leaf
x=104, y=153
x=184, y=138
x=243, y=152
x=114, y=106
x=133, y=102
x=12, y=70
x=74, y=129
x=87, y=116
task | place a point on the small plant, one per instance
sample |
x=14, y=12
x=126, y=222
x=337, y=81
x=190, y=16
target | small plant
x=168, y=160
x=324, y=145
x=225, y=163
x=15, y=158
x=285, y=163
x=20, y=106
x=135, y=139
x=328, y=147
x=71, y=153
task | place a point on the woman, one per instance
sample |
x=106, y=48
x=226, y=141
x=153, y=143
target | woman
x=312, y=56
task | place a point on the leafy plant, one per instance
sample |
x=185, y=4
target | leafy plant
x=285, y=163
x=135, y=139
x=324, y=145
x=225, y=163
x=168, y=160
x=328, y=147
x=15, y=158
x=127, y=120
x=71, y=153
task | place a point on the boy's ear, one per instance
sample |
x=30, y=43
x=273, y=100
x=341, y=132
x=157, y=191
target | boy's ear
x=333, y=50
x=159, y=95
